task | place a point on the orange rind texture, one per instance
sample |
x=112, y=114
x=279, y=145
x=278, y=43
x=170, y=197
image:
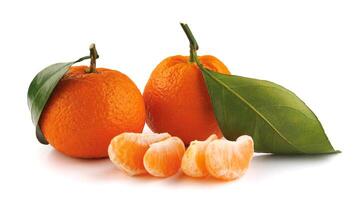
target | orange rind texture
x=163, y=159
x=193, y=161
x=86, y=110
x=127, y=150
x=177, y=101
x=228, y=160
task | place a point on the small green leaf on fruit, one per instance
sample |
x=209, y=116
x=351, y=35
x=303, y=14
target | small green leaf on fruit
x=41, y=89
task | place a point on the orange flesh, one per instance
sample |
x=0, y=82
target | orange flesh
x=163, y=158
x=228, y=160
x=127, y=150
x=193, y=161
x=162, y=155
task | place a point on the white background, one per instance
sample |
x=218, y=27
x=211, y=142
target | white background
x=306, y=46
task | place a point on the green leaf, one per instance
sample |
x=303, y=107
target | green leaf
x=41, y=88
x=276, y=118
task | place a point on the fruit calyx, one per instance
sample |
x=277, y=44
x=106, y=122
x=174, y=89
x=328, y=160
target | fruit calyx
x=193, y=45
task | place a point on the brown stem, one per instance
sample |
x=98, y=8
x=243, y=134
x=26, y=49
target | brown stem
x=93, y=57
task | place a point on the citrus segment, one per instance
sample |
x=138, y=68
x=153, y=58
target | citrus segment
x=163, y=158
x=127, y=150
x=229, y=160
x=193, y=161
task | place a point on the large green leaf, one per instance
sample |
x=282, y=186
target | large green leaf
x=276, y=118
x=41, y=88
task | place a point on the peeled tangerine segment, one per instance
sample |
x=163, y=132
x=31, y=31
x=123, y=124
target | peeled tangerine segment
x=127, y=150
x=163, y=158
x=193, y=161
x=229, y=160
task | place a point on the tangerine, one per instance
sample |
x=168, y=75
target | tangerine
x=88, y=107
x=177, y=99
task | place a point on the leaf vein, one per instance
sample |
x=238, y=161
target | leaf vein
x=251, y=107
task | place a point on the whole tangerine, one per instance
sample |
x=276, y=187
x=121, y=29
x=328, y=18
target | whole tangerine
x=177, y=100
x=88, y=107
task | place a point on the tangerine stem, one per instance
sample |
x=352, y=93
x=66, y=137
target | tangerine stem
x=194, y=58
x=93, y=57
x=190, y=36
x=193, y=45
